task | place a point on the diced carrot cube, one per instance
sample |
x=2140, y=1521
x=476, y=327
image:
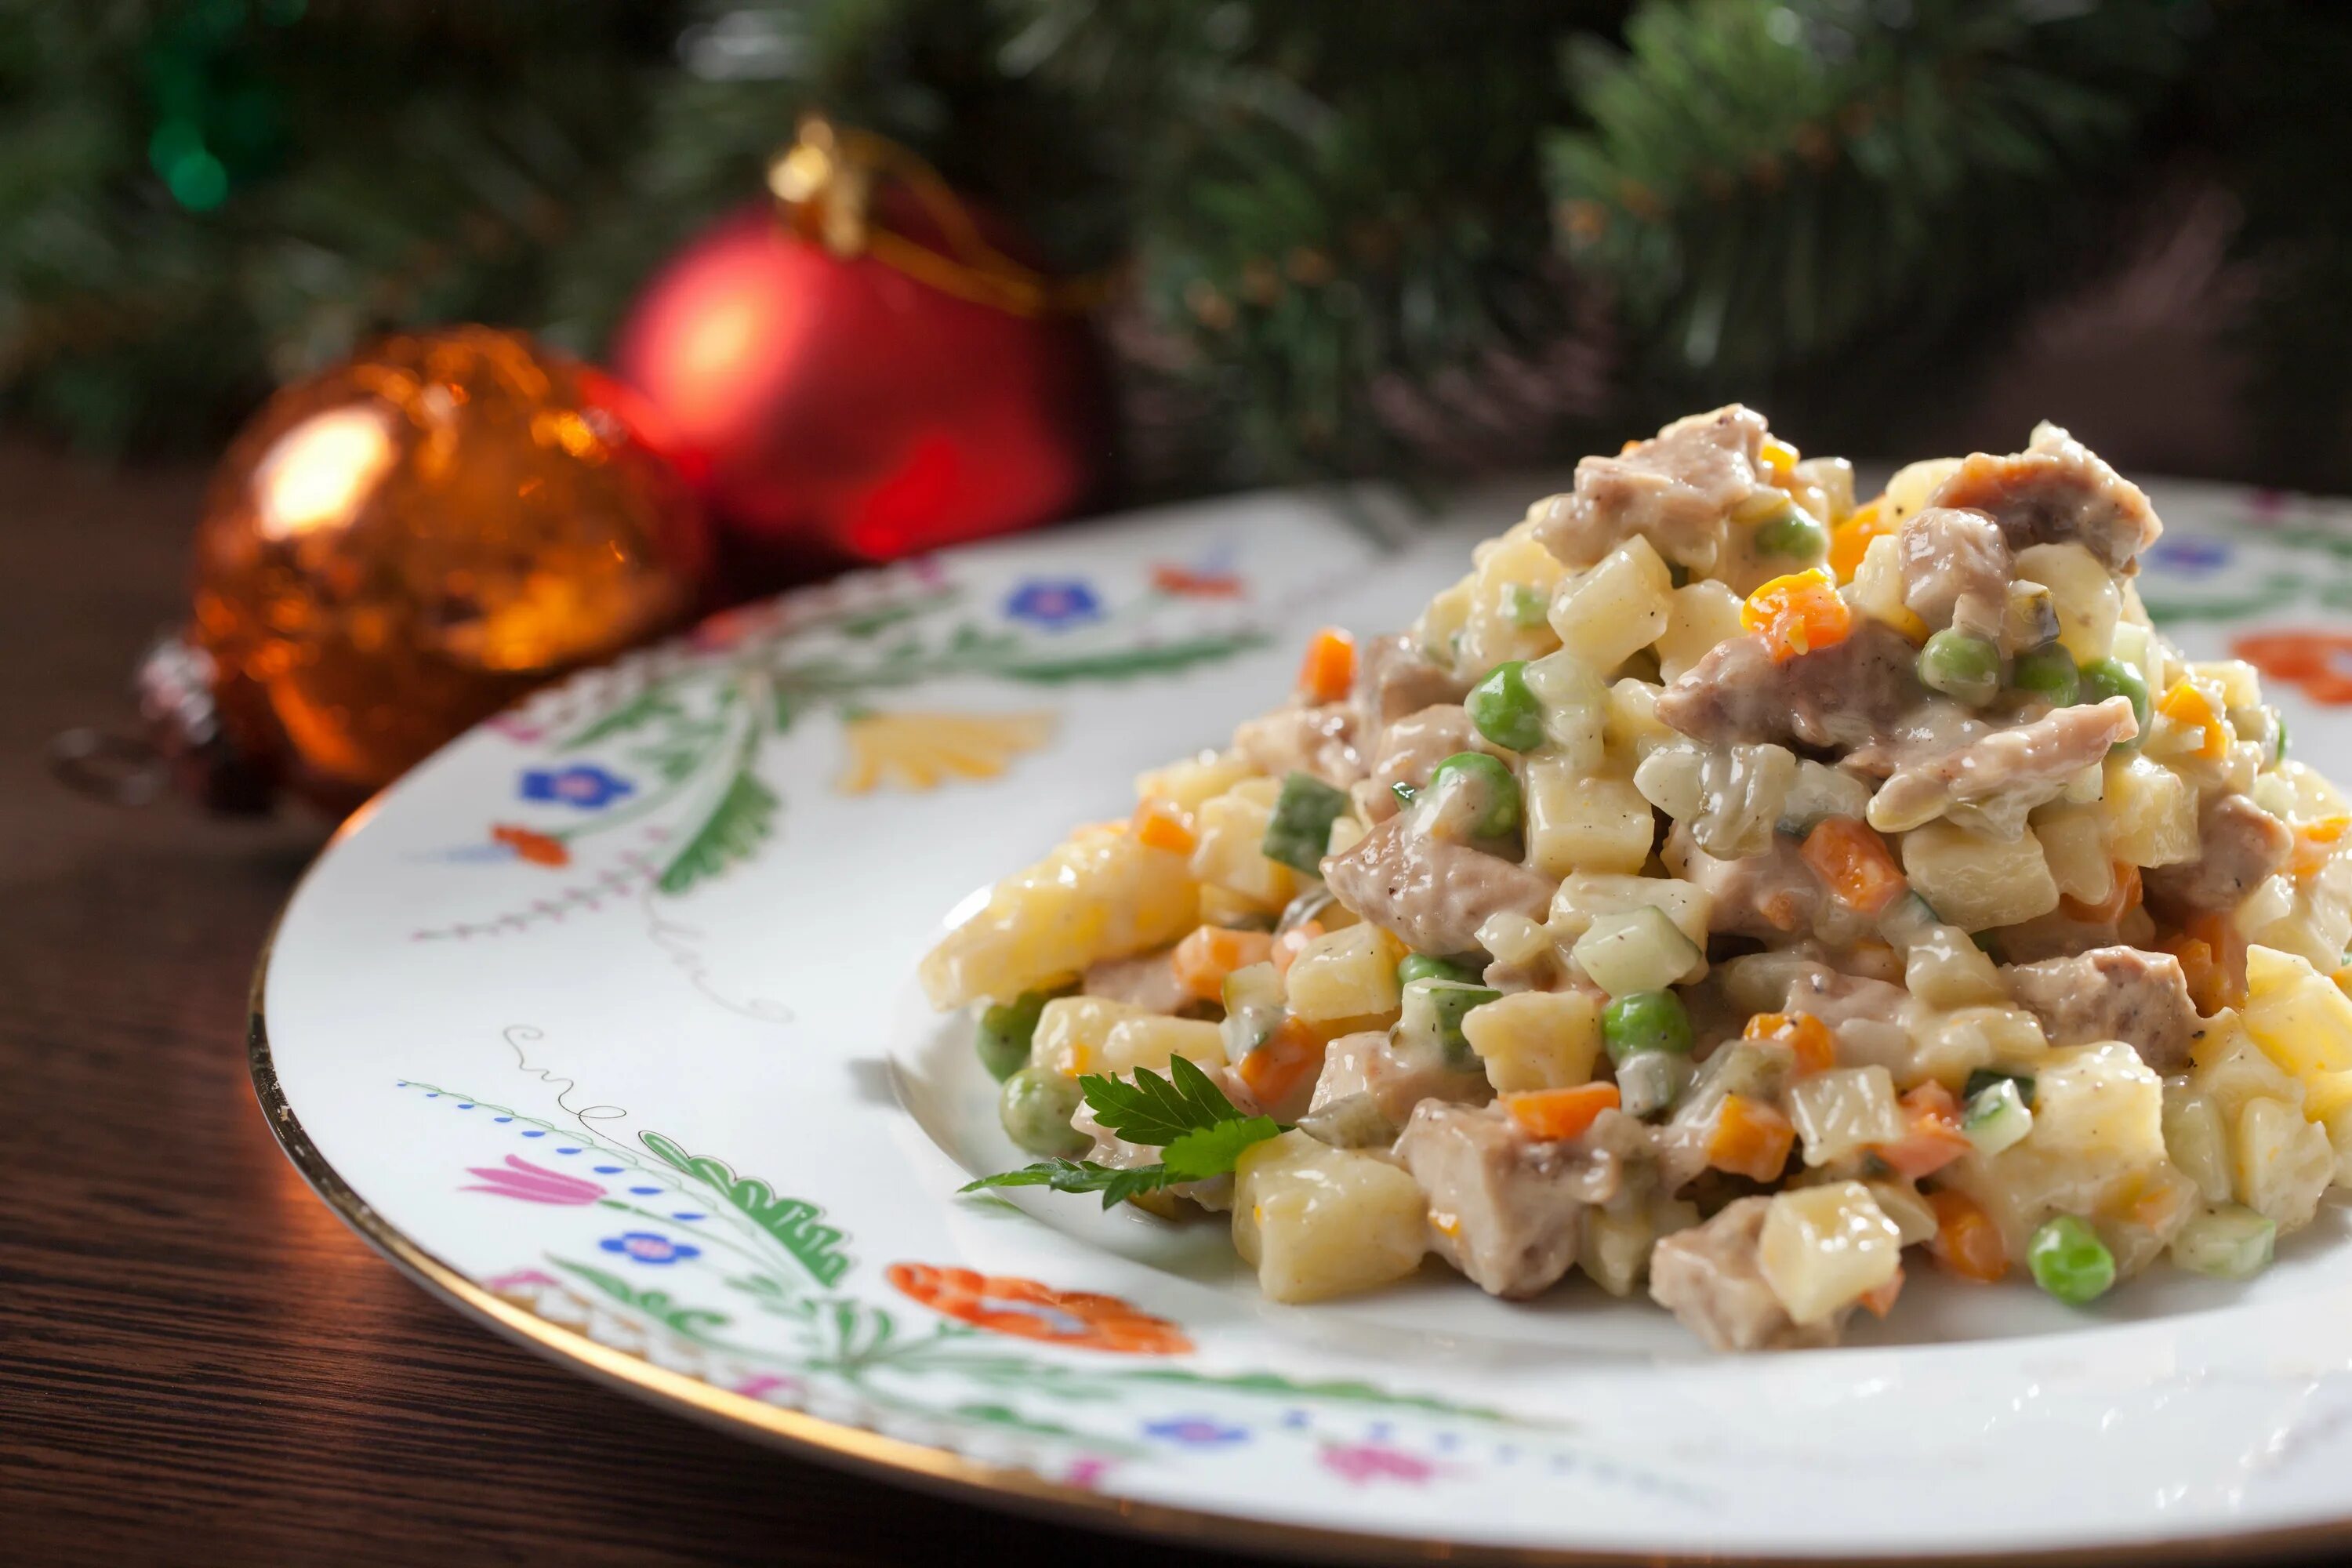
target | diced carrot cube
x=1880, y=1299
x=1552, y=1115
x=1806, y=1037
x=1852, y=859
x=1329, y=669
x=1779, y=460
x=1160, y=825
x=2196, y=965
x=1204, y=960
x=1850, y=540
x=2315, y=844
x=1799, y=613
x=1966, y=1241
x=1290, y=1057
x=2222, y=939
x=1934, y=1138
x=2123, y=894
x=1751, y=1138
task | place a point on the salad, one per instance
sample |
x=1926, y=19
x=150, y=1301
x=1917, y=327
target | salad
x=1728, y=891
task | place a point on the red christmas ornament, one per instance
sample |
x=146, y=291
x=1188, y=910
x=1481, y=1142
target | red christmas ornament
x=858, y=372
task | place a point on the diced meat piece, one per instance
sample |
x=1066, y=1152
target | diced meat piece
x=1954, y=568
x=1147, y=980
x=1865, y=1016
x=1709, y=1277
x=1506, y=1209
x=1394, y=678
x=2113, y=993
x=2020, y=767
x=1840, y=697
x=1773, y=895
x=1432, y=893
x=1371, y=1063
x=1410, y=748
x=2058, y=935
x=2055, y=491
x=1674, y=490
x=2242, y=845
x=1320, y=741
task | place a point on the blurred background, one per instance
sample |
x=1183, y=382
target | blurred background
x=733, y=292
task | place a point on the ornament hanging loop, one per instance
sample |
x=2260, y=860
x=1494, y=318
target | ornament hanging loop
x=824, y=185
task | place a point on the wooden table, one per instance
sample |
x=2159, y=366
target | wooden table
x=198, y=1362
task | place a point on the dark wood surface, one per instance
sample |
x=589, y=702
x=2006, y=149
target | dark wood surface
x=198, y=1362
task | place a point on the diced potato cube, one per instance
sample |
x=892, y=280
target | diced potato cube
x=2299, y=1017
x=2099, y=1101
x=2083, y=592
x=1513, y=938
x=1573, y=707
x=1615, y=1248
x=2337, y=1121
x=1317, y=1221
x=1103, y=894
x=1438, y=631
x=1700, y=616
x=1967, y=1038
x=2281, y=1163
x=1977, y=881
x=2074, y=843
x=1913, y=483
x=2299, y=793
x=1348, y=974
x=1842, y=1112
x=1631, y=726
x=1945, y=969
x=1639, y=950
x=2231, y=1070
x=1579, y=822
x=1186, y=783
x=1610, y=611
x=1823, y=1247
x=1877, y=590
x=1914, y=1222
x=1585, y=894
x=1347, y=832
x=2241, y=683
x=1536, y=1040
x=1150, y=1040
x=1073, y=1030
x=1231, y=828
x=2196, y=1141
x=1494, y=631
x=2151, y=813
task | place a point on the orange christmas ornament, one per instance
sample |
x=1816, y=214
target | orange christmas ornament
x=397, y=548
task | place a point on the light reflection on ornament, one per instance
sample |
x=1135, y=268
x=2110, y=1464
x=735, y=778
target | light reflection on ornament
x=320, y=471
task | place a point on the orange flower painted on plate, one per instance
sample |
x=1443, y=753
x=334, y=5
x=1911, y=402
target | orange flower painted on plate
x=2318, y=662
x=539, y=849
x=921, y=751
x=1187, y=583
x=1029, y=1310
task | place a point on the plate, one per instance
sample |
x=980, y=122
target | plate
x=602, y=1025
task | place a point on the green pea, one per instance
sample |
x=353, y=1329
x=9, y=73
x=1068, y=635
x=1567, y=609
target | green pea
x=1428, y=966
x=1300, y=828
x=1962, y=666
x=1645, y=1021
x=1794, y=534
x=1504, y=708
x=1527, y=608
x=2105, y=677
x=1035, y=1106
x=1494, y=791
x=2050, y=674
x=1004, y=1033
x=2070, y=1261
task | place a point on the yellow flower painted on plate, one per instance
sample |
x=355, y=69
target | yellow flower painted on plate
x=922, y=750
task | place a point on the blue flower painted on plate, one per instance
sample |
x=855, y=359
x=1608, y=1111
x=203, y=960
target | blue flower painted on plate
x=1057, y=604
x=583, y=784
x=647, y=1246
x=2188, y=556
x=1195, y=1432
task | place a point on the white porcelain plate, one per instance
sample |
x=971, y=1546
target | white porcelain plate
x=601, y=1024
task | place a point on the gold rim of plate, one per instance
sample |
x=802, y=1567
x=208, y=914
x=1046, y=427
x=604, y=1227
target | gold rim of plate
x=951, y=1475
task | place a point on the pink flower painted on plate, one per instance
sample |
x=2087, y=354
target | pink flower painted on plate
x=520, y=1279
x=1086, y=1472
x=759, y=1385
x=531, y=1183
x=1359, y=1464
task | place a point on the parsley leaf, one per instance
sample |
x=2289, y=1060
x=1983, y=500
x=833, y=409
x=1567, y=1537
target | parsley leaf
x=1083, y=1177
x=1208, y=1152
x=1155, y=1109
